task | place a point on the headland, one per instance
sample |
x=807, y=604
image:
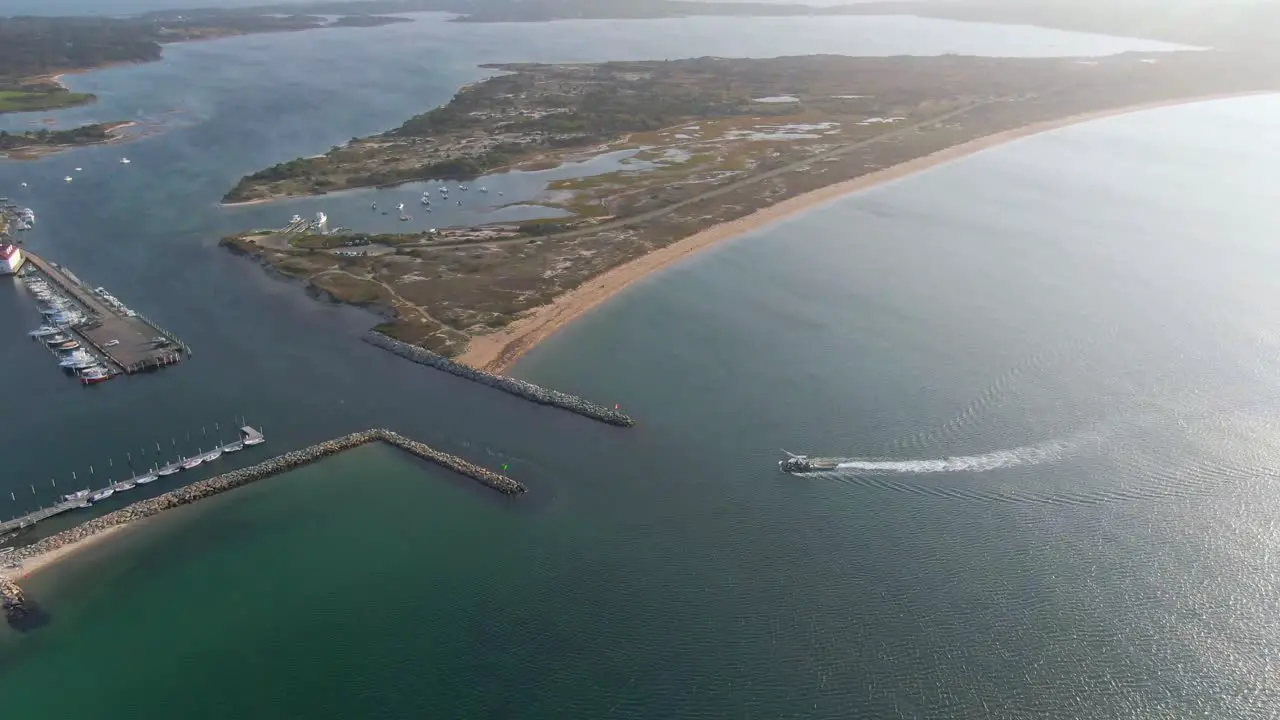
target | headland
x=34, y=144
x=36, y=51
x=718, y=146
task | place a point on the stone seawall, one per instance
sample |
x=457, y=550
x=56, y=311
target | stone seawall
x=526, y=390
x=236, y=478
x=12, y=601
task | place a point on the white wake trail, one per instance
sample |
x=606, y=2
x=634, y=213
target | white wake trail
x=1046, y=452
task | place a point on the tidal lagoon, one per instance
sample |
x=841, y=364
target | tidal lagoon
x=1054, y=363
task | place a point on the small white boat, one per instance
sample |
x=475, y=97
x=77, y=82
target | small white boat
x=126, y=485
x=78, y=495
x=168, y=470
x=192, y=462
x=125, y=161
x=233, y=447
x=68, y=178
x=484, y=189
x=400, y=206
x=79, y=169
x=102, y=495
x=213, y=455
x=426, y=200
x=24, y=184
x=148, y=478
x=499, y=193
x=254, y=441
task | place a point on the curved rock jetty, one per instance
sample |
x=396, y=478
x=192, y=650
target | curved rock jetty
x=12, y=594
x=526, y=390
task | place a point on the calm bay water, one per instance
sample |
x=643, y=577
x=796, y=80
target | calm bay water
x=1055, y=361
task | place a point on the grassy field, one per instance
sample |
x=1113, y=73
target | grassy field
x=23, y=101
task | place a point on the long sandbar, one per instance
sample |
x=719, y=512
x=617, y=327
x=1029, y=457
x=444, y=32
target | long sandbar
x=496, y=352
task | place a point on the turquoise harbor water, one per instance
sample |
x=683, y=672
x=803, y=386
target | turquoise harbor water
x=1055, y=364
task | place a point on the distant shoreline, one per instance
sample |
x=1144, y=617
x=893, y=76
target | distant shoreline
x=497, y=352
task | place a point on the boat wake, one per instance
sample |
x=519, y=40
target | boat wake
x=1038, y=454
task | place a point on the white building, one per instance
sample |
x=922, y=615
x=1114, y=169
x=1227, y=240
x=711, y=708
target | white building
x=11, y=259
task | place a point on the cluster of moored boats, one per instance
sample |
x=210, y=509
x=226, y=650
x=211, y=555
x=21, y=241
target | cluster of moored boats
x=60, y=314
x=426, y=199
x=25, y=220
x=88, y=497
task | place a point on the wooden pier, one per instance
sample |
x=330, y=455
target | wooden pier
x=129, y=341
x=248, y=437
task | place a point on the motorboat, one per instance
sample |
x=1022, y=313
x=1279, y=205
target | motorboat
x=68, y=179
x=44, y=331
x=148, y=478
x=78, y=495
x=95, y=375
x=192, y=462
x=213, y=455
x=68, y=345
x=126, y=485
x=796, y=464
x=78, y=360
x=168, y=470
x=234, y=447
x=125, y=161
x=102, y=495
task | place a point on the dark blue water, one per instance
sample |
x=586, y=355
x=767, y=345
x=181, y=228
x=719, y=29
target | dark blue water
x=1053, y=365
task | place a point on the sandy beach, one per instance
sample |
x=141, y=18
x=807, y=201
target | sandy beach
x=259, y=201
x=498, y=351
x=35, y=564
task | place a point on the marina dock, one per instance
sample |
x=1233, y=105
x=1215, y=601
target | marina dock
x=125, y=338
x=84, y=498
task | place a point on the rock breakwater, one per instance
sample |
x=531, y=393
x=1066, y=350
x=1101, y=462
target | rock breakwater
x=526, y=390
x=16, y=607
x=12, y=601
